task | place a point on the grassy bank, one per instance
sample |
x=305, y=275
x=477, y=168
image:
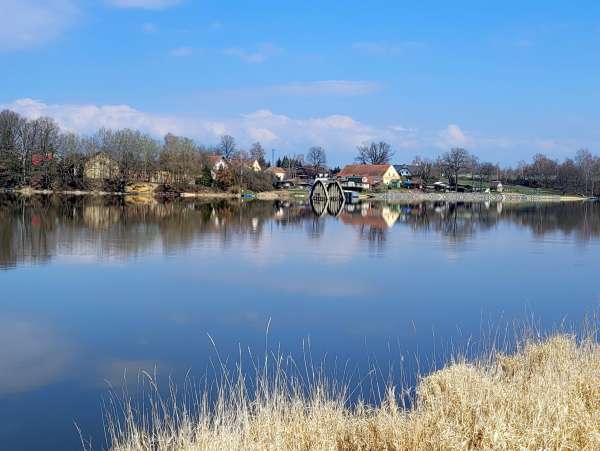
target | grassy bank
x=544, y=396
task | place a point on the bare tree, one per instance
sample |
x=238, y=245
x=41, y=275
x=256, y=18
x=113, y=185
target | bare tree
x=424, y=169
x=374, y=153
x=585, y=163
x=544, y=169
x=316, y=157
x=453, y=162
x=227, y=147
x=257, y=152
x=487, y=170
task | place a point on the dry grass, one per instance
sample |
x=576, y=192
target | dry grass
x=544, y=396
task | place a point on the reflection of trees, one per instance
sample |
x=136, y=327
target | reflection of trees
x=34, y=229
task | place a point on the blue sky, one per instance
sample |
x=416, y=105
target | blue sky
x=504, y=80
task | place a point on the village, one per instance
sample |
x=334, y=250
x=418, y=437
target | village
x=99, y=169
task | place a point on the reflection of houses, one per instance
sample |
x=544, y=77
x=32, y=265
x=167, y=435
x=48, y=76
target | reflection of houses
x=496, y=185
x=383, y=218
x=162, y=177
x=371, y=174
x=101, y=167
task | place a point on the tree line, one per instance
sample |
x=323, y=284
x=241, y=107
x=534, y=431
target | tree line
x=37, y=153
x=579, y=174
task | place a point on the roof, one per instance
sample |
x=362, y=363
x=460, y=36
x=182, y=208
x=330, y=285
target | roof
x=412, y=168
x=277, y=170
x=214, y=159
x=364, y=170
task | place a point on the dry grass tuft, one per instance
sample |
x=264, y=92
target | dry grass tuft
x=544, y=396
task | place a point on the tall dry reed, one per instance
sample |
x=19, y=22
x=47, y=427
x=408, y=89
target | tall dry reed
x=545, y=395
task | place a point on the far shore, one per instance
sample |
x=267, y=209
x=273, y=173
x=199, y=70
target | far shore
x=390, y=196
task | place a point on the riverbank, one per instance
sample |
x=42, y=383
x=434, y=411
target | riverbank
x=266, y=195
x=389, y=196
x=544, y=396
x=419, y=196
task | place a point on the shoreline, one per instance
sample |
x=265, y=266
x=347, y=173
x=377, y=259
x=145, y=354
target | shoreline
x=393, y=196
x=474, y=197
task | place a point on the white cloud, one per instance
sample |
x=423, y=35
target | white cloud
x=263, y=52
x=143, y=4
x=182, y=51
x=89, y=118
x=32, y=355
x=453, y=136
x=29, y=23
x=338, y=133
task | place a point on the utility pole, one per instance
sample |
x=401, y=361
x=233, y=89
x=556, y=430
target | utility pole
x=273, y=157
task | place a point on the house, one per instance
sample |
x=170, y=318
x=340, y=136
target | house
x=373, y=174
x=215, y=164
x=254, y=165
x=278, y=173
x=407, y=171
x=38, y=159
x=100, y=167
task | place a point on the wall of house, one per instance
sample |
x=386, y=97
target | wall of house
x=389, y=175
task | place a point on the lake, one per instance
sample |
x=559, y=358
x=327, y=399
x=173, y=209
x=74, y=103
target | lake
x=93, y=290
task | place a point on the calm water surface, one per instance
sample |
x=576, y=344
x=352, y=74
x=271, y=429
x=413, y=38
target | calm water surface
x=92, y=288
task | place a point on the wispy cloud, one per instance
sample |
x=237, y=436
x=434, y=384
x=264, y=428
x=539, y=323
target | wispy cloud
x=28, y=23
x=260, y=55
x=384, y=48
x=181, y=52
x=143, y=4
x=149, y=27
x=319, y=88
x=343, y=88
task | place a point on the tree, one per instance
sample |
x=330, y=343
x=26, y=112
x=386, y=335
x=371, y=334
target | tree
x=257, y=152
x=585, y=163
x=425, y=169
x=9, y=156
x=544, y=169
x=453, y=162
x=374, y=153
x=206, y=177
x=316, y=157
x=227, y=147
x=181, y=158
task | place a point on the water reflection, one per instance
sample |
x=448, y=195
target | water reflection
x=34, y=229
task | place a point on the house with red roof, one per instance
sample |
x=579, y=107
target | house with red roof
x=371, y=174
